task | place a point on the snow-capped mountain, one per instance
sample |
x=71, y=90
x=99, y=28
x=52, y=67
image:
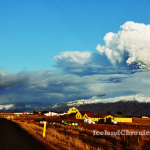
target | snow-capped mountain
x=104, y=99
x=127, y=104
x=133, y=104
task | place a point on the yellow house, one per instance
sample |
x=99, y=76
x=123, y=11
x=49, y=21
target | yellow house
x=72, y=110
x=93, y=116
x=108, y=117
x=118, y=118
x=80, y=114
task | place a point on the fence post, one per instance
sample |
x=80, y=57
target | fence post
x=44, y=129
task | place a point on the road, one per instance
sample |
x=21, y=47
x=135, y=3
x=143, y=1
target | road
x=13, y=137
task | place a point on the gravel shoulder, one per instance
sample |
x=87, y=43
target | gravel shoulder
x=16, y=136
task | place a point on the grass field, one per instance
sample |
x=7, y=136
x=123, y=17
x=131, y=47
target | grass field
x=81, y=137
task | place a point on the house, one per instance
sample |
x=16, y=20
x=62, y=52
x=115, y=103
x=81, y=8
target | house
x=80, y=114
x=50, y=114
x=27, y=113
x=93, y=116
x=61, y=114
x=72, y=110
x=18, y=113
x=118, y=118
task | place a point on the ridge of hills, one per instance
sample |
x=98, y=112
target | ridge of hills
x=126, y=107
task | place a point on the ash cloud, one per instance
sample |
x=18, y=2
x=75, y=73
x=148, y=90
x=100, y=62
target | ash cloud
x=87, y=63
x=131, y=45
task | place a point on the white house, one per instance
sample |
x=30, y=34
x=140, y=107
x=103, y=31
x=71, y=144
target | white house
x=62, y=114
x=50, y=114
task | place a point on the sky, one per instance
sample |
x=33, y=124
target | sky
x=59, y=51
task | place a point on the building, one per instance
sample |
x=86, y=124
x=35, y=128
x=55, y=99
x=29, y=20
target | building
x=50, y=114
x=80, y=114
x=118, y=118
x=72, y=110
x=75, y=113
x=93, y=116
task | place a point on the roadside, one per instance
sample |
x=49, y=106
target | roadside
x=36, y=134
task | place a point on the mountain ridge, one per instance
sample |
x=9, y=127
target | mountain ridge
x=126, y=107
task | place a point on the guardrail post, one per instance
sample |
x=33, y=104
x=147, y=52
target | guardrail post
x=44, y=129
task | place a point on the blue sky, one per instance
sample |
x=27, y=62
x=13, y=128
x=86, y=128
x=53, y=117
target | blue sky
x=34, y=33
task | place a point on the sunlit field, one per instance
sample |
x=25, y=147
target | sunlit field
x=84, y=135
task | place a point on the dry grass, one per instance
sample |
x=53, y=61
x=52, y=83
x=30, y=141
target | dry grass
x=72, y=138
x=55, y=139
x=67, y=141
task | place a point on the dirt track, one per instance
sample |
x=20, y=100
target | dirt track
x=12, y=137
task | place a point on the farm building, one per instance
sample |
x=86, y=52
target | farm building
x=75, y=113
x=50, y=114
x=80, y=114
x=118, y=118
x=72, y=110
x=93, y=116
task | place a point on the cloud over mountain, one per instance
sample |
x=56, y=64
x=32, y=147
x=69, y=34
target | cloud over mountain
x=131, y=45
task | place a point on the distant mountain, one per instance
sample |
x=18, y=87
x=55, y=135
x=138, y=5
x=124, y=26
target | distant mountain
x=132, y=104
x=126, y=107
x=127, y=104
x=22, y=107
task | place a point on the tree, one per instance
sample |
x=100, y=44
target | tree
x=119, y=113
x=34, y=112
x=108, y=112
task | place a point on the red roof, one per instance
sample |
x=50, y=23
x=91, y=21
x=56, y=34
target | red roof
x=95, y=115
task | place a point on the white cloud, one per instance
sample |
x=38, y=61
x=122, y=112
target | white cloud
x=130, y=44
x=74, y=57
x=86, y=63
